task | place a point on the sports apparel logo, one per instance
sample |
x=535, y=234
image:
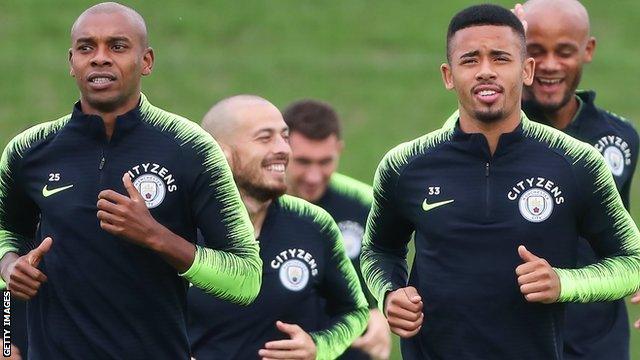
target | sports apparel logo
x=294, y=275
x=427, y=207
x=535, y=205
x=152, y=189
x=537, y=198
x=616, y=152
x=48, y=192
x=352, y=233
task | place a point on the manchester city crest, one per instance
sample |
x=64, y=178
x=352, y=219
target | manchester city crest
x=616, y=153
x=352, y=233
x=615, y=160
x=152, y=189
x=536, y=205
x=294, y=275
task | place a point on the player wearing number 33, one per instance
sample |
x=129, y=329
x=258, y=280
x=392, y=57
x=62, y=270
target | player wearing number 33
x=498, y=204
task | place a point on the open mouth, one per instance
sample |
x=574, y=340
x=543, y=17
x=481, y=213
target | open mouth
x=276, y=168
x=487, y=94
x=100, y=81
x=549, y=84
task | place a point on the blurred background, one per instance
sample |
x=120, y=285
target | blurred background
x=376, y=61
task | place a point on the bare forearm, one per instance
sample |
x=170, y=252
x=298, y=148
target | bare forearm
x=174, y=249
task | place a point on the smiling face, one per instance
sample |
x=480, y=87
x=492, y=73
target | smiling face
x=259, y=151
x=559, y=42
x=108, y=56
x=487, y=71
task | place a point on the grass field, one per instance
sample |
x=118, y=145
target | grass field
x=376, y=61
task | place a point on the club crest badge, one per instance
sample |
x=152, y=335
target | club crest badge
x=352, y=234
x=614, y=159
x=616, y=153
x=536, y=197
x=294, y=275
x=536, y=205
x=152, y=189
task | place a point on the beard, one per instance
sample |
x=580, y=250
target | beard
x=249, y=179
x=489, y=116
x=553, y=107
x=258, y=190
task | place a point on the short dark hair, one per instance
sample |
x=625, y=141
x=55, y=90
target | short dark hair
x=313, y=119
x=485, y=14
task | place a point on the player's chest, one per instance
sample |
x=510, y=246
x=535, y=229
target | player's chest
x=476, y=193
x=71, y=180
x=293, y=269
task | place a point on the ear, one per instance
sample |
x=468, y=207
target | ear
x=147, y=61
x=70, y=66
x=447, y=76
x=589, y=50
x=340, y=146
x=228, y=154
x=528, y=70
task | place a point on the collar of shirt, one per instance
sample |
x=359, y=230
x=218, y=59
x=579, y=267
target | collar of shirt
x=476, y=143
x=93, y=125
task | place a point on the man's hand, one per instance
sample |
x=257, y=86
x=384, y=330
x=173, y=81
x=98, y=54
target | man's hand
x=537, y=279
x=636, y=300
x=127, y=217
x=299, y=346
x=404, y=311
x=518, y=10
x=376, y=341
x=15, y=353
x=22, y=275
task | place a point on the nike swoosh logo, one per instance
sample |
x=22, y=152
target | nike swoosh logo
x=426, y=206
x=46, y=192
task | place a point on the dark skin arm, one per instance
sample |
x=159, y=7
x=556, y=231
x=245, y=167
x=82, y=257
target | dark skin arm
x=129, y=218
x=21, y=273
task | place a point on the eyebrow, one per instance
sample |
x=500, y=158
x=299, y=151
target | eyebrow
x=109, y=39
x=475, y=53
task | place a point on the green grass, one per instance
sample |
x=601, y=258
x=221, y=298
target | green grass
x=376, y=61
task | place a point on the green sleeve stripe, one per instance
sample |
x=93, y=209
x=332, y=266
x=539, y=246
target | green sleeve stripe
x=236, y=273
x=11, y=156
x=224, y=275
x=613, y=277
x=375, y=262
x=332, y=342
x=352, y=188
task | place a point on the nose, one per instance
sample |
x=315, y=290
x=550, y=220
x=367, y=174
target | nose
x=314, y=175
x=282, y=146
x=548, y=63
x=486, y=72
x=101, y=57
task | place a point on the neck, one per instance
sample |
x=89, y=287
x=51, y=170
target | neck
x=109, y=117
x=492, y=130
x=257, y=210
x=562, y=117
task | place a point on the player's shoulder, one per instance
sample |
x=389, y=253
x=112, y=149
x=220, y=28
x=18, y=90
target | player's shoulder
x=29, y=138
x=182, y=130
x=613, y=123
x=622, y=125
x=351, y=189
x=575, y=152
x=305, y=211
x=402, y=154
